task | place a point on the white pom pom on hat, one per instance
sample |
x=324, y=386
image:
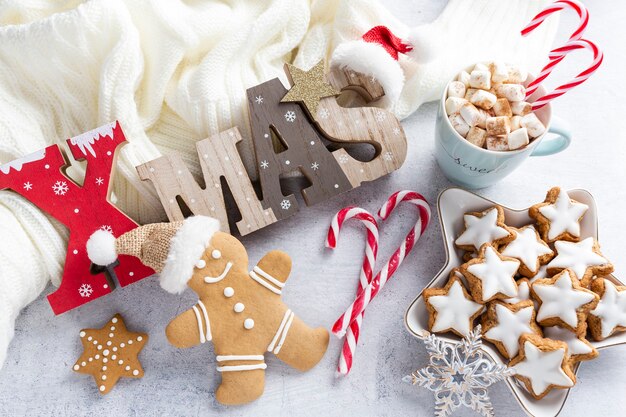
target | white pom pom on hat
x=101, y=248
x=376, y=55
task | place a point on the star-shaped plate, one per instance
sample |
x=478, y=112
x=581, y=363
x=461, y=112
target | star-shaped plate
x=451, y=205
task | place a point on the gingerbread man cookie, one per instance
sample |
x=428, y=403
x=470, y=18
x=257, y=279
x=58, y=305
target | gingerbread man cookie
x=558, y=217
x=491, y=276
x=484, y=227
x=609, y=316
x=239, y=310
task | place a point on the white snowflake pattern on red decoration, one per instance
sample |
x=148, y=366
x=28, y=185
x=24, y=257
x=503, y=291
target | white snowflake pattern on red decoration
x=85, y=290
x=60, y=188
x=106, y=228
x=99, y=181
x=290, y=116
x=28, y=186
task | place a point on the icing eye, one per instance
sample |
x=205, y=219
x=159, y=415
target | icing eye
x=216, y=254
x=201, y=264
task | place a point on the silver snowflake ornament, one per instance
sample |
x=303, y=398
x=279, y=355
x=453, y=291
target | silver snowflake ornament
x=459, y=374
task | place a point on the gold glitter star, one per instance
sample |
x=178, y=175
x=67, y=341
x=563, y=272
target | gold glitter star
x=110, y=353
x=308, y=87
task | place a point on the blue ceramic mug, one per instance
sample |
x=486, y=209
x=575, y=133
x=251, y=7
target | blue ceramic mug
x=472, y=167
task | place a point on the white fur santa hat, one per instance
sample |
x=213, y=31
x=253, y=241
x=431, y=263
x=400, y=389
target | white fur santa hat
x=171, y=249
x=376, y=55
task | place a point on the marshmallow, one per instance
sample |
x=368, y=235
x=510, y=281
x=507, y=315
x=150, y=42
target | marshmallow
x=499, y=72
x=456, y=89
x=516, y=75
x=459, y=124
x=463, y=77
x=517, y=139
x=453, y=104
x=484, y=114
x=521, y=108
x=481, y=67
x=477, y=136
x=533, y=125
x=469, y=93
x=483, y=99
x=512, y=92
x=502, y=108
x=497, y=143
x=515, y=122
x=499, y=125
x=470, y=114
x=480, y=79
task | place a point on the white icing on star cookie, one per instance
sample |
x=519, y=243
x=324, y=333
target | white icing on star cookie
x=563, y=301
x=562, y=216
x=510, y=326
x=481, y=228
x=529, y=249
x=543, y=369
x=581, y=257
x=523, y=292
x=495, y=275
x=577, y=346
x=610, y=313
x=452, y=308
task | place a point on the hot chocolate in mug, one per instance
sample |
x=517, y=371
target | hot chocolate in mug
x=472, y=167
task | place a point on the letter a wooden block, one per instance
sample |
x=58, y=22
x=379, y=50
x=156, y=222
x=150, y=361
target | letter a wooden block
x=39, y=178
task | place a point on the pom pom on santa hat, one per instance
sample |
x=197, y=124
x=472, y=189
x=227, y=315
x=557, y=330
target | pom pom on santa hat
x=376, y=55
x=171, y=249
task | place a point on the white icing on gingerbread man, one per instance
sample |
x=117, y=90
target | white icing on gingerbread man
x=564, y=215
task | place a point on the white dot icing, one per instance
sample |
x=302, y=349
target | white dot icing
x=229, y=292
x=564, y=215
x=201, y=264
x=127, y=368
x=611, y=309
x=495, y=275
x=102, y=387
x=82, y=334
x=561, y=299
x=453, y=310
x=104, y=377
x=577, y=256
x=76, y=367
x=527, y=247
x=511, y=325
x=139, y=338
x=114, y=320
x=480, y=230
x=135, y=372
x=248, y=324
x=239, y=307
x=216, y=254
x=543, y=368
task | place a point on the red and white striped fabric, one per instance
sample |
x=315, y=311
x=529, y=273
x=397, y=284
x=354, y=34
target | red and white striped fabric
x=373, y=288
x=557, y=6
x=367, y=272
x=557, y=55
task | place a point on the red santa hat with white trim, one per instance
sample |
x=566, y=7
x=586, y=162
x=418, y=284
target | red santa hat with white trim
x=376, y=55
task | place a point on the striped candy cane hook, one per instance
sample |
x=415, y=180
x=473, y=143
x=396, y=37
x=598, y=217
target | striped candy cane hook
x=374, y=287
x=556, y=56
x=371, y=252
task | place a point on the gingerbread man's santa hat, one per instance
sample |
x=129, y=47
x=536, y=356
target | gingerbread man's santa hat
x=376, y=54
x=171, y=249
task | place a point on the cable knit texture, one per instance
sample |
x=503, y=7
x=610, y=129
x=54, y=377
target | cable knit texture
x=176, y=72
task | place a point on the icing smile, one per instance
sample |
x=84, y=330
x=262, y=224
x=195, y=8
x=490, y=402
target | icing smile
x=213, y=280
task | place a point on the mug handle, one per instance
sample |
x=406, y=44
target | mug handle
x=555, y=144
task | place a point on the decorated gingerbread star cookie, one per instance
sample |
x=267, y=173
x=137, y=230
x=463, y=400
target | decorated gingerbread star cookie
x=505, y=323
x=491, y=275
x=583, y=258
x=609, y=316
x=484, y=227
x=542, y=364
x=563, y=301
x=558, y=217
x=451, y=308
x=110, y=353
x=578, y=348
x=529, y=249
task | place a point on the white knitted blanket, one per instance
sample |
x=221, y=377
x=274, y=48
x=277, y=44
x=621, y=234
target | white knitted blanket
x=176, y=72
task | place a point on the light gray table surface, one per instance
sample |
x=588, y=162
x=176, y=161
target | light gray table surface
x=37, y=379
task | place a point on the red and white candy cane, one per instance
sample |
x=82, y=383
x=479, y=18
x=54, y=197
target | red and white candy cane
x=367, y=272
x=374, y=287
x=557, y=55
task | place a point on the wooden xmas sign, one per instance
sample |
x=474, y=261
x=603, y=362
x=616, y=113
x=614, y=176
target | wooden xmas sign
x=40, y=178
x=300, y=120
x=289, y=132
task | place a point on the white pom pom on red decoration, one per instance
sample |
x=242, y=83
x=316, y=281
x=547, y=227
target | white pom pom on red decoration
x=101, y=248
x=423, y=47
